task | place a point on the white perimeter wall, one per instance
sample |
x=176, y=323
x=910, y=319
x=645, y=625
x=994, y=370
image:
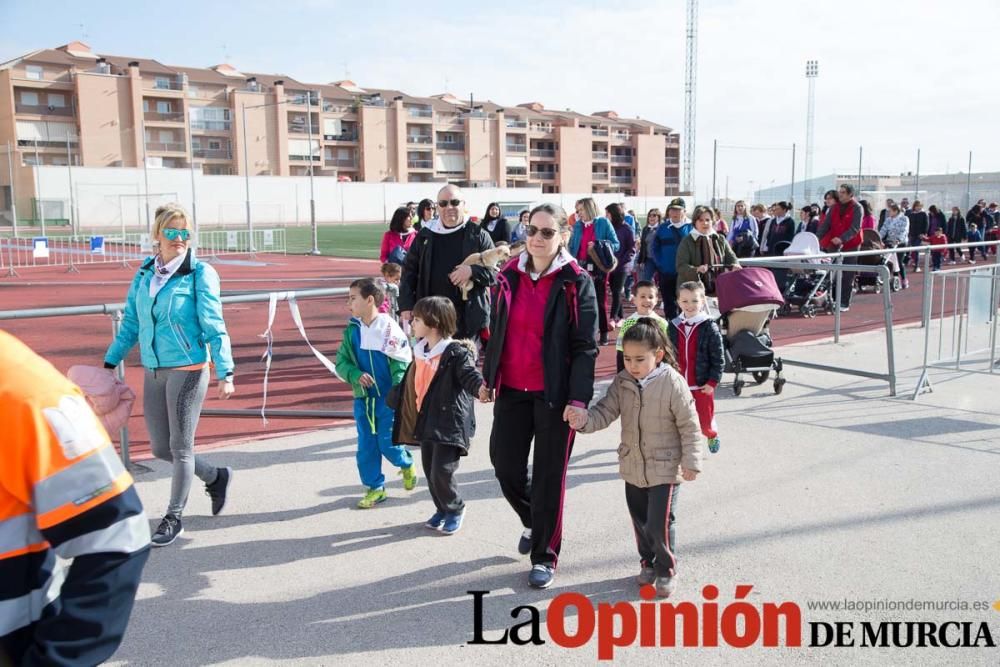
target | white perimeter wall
x=105, y=197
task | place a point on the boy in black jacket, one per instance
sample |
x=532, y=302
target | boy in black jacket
x=700, y=355
x=434, y=406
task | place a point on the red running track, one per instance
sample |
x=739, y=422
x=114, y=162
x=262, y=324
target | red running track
x=297, y=379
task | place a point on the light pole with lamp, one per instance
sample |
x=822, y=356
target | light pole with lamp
x=246, y=167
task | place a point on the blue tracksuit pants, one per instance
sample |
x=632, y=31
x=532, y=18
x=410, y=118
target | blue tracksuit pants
x=374, y=444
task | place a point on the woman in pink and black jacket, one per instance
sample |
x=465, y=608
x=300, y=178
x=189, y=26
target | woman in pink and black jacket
x=539, y=376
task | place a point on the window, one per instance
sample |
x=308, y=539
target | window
x=34, y=72
x=57, y=100
x=214, y=145
x=145, y=106
x=162, y=82
x=29, y=98
x=166, y=137
x=192, y=91
x=162, y=106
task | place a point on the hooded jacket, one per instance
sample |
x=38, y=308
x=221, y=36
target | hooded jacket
x=569, y=330
x=660, y=432
x=710, y=353
x=446, y=415
x=603, y=231
x=179, y=325
x=665, y=244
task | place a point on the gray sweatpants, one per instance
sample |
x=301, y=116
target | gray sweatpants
x=172, y=404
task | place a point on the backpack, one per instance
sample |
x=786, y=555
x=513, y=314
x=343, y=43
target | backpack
x=398, y=255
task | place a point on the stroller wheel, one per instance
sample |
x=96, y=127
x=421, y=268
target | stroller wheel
x=760, y=377
x=737, y=388
x=779, y=384
x=807, y=311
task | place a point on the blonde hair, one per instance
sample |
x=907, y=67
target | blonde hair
x=168, y=213
x=589, y=208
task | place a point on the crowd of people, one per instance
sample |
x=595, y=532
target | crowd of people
x=506, y=313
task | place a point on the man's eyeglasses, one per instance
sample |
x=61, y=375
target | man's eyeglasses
x=443, y=203
x=546, y=232
x=172, y=234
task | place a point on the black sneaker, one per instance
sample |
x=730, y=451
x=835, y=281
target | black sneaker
x=541, y=576
x=524, y=543
x=170, y=529
x=217, y=489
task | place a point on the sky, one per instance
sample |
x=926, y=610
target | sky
x=894, y=75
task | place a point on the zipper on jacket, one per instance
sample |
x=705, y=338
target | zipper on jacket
x=639, y=428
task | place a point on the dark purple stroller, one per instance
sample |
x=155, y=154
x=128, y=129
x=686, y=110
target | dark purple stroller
x=748, y=299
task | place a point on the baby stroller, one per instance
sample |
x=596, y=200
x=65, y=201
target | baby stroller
x=871, y=240
x=809, y=291
x=748, y=300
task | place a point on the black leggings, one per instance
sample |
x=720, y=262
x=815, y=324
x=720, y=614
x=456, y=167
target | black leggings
x=617, y=294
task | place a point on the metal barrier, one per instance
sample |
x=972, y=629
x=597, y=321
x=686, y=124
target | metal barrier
x=969, y=296
x=838, y=269
x=123, y=248
x=116, y=310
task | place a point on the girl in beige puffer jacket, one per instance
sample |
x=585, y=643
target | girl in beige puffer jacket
x=660, y=444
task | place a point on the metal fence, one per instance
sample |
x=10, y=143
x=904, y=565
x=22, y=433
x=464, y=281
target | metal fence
x=116, y=310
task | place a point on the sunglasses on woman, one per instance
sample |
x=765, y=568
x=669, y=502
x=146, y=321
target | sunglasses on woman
x=172, y=234
x=546, y=232
x=444, y=203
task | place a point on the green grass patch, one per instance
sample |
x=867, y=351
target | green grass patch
x=362, y=241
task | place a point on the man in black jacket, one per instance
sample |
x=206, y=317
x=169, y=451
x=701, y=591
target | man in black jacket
x=434, y=265
x=919, y=225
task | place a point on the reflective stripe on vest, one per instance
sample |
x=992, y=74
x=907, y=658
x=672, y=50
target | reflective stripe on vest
x=26, y=609
x=74, y=487
x=20, y=535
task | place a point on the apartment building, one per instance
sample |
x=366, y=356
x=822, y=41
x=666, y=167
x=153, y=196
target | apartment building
x=69, y=105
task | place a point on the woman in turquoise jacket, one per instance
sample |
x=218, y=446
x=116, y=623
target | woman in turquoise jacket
x=174, y=313
x=588, y=229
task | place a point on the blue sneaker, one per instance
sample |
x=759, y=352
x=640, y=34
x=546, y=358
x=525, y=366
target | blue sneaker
x=452, y=523
x=436, y=521
x=541, y=576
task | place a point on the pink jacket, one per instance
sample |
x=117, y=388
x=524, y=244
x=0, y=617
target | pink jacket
x=110, y=398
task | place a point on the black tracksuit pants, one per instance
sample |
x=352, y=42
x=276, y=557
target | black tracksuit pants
x=652, y=510
x=440, y=462
x=668, y=293
x=537, y=497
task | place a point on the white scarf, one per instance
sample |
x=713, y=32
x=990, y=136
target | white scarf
x=694, y=320
x=420, y=349
x=655, y=373
x=384, y=335
x=162, y=272
x=561, y=259
x=438, y=227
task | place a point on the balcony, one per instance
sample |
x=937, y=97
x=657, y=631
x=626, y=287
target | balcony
x=301, y=99
x=451, y=145
x=599, y=176
x=212, y=153
x=621, y=159
x=302, y=129
x=517, y=148
x=599, y=155
x=211, y=125
x=419, y=139
x=623, y=136
x=166, y=146
x=599, y=132
x=351, y=135
x=330, y=107
x=416, y=112
x=167, y=84
x=517, y=171
x=543, y=175
x=672, y=163
x=517, y=124
x=164, y=116
x=342, y=162
x=43, y=110
x=304, y=158
x=672, y=181
x=625, y=180
x=419, y=164
x=543, y=152
x=52, y=143
x=541, y=127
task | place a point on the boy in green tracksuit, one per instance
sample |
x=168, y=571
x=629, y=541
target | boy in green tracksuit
x=372, y=358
